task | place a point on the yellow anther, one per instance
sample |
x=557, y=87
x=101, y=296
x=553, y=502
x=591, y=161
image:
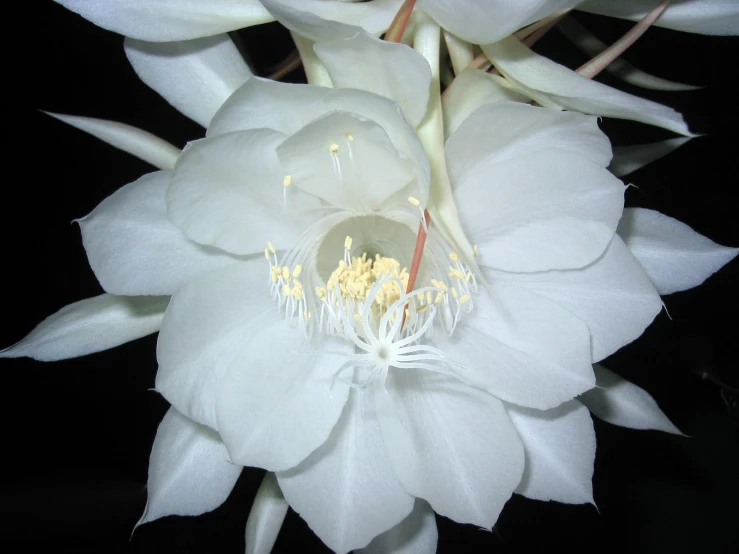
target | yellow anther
x=349, y=136
x=271, y=248
x=358, y=317
x=286, y=273
x=429, y=297
x=321, y=292
x=414, y=201
x=297, y=270
x=334, y=148
x=266, y=253
x=454, y=256
x=468, y=277
x=297, y=292
x=348, y=243
x=464, y=299
x=439, y=298
x=455, y=273
x=474, y=250
x=454, y=293
x=286, y=290
x=287, y=180
x=308, y=315
x=297, y=284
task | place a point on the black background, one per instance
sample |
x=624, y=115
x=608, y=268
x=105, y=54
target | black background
x=77, y=434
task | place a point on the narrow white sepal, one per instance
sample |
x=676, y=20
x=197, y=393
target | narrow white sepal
x=673, y=255
x=554, y=85
x=91, y=325
x=170, y=20
x=620, y=402
x=592, y=46
x=190, y=472
x=195, y=76
x=627, y=159
x=135, y=141
x=266, y=516
x=416, y=534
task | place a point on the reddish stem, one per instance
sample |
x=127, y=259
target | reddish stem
x=417, y=255
x=400, y=22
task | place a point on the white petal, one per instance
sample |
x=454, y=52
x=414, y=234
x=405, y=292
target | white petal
x=613, y=296
x=471, y=89
x=592, y=46
x=319, y=19
x=450, y=444
x=551, y=82
x=91, y=325
x=484, y=21
x=279, y=401
x=416, y=534
x=167, y=20
x=710, y=17
x=134, y=249
x=674, y=256
x=138, y=142
x=287, y=108
x=627, y=159
x=347, y=490
x=347, y=160
x=195, y=76
x=522, y=348
x=560, y=451
x=392, y=70
x=620, y=402
x=540, y=211
x=227, y=191
x=267, y=513
x=189, y=470
x=204, y=328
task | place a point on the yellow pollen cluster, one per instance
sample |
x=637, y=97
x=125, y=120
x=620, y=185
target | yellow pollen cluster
x=355, y=279
x=292, y=286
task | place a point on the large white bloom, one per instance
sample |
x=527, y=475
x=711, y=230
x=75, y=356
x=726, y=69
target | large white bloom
x=251, y=349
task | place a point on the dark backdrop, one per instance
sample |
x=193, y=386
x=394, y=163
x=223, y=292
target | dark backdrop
x=77, y=433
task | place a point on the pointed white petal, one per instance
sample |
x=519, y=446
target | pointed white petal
x=279, y=401
x=627, y=159
x=560, y=451
x=450, y=444
x=533, y=185
x=168, y=20
x=709, y=17
x=137, y=142
x=195, y=76
x=620, y=402
x=471, y=89
x=189, y=470
x=550, y=82
x=267, y=513
x=592, y=46
x=613, y=296
x=287, y=108
x=346, y=160
x=134, y=249
x=674, y=256
x=205, y=327
x=227, y=191
x=318, y=19
x=484, y=21
x=91, y=325
x=522, y=348
x=392, y=70
x=347, y=490
x=416, y=534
